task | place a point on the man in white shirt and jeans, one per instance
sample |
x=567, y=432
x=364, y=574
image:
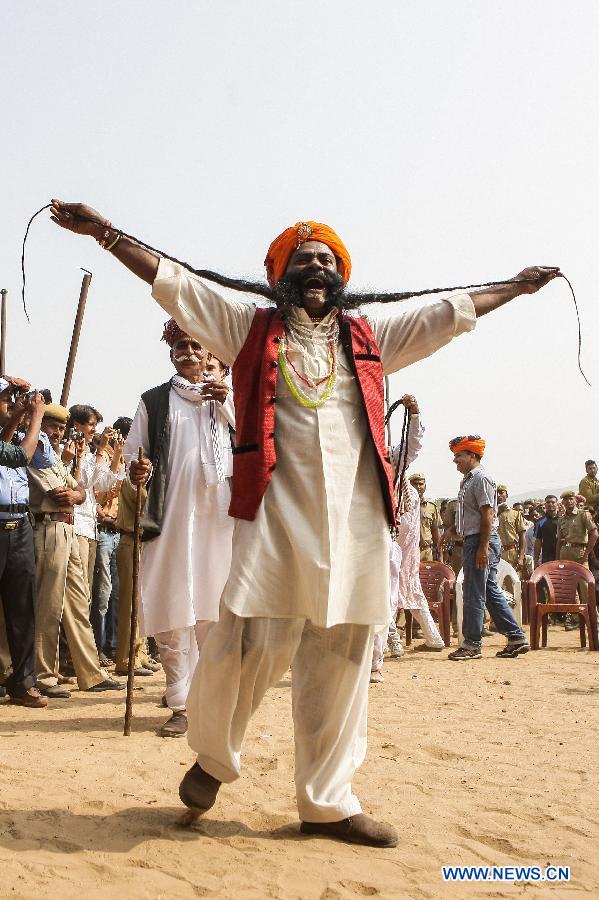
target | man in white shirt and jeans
x=476, y=520
x=93, y=473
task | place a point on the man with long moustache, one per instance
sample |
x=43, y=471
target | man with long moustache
x=183, y=428
x=313, y=498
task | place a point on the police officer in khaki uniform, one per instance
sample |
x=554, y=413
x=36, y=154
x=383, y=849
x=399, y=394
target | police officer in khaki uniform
x=125, y=522
x=451, y=540
x=430, y=521
x=61, y=590
x=589, y=485
x=512, y=531
x=576, y=537
x=576, y=532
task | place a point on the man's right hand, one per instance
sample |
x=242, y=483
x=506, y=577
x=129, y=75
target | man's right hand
x=139, y=472
x=37, y=406
x=75, y=216
x=64, y=496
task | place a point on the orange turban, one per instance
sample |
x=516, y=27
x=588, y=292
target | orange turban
x=279, y=252
x=472, y=442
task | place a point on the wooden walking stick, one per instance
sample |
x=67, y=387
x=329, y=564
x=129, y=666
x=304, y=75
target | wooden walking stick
x=68, y=375
x=134, y=603
x=4, y=292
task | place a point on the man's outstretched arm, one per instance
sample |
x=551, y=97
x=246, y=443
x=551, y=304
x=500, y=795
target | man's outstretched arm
x=74, y=217
x=528, y=281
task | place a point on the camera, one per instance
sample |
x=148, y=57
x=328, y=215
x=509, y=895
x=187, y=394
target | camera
x=73, y=435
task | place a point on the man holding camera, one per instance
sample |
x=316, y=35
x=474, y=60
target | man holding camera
x=183, y=428
x=17, y=558
x=62, y=591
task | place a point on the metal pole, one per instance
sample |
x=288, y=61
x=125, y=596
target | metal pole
x=4, y=293
x=134, y=604
x=68, y=375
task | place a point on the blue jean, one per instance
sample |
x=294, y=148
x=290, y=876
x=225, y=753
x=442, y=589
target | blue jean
x=480, y=588
x=105, y=583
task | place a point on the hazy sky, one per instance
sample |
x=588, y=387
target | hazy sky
x=448, y=143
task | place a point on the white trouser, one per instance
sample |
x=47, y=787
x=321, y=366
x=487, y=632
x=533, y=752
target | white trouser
x=430, y=632
x=390, y=631
x=179, y=652
x=330, y=668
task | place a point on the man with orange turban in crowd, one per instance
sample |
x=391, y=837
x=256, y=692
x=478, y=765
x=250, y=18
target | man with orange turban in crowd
x=313, y=498
x=477, y=523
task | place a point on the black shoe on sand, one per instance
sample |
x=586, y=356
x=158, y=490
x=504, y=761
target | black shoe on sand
x=359, y=829
x=511, y=650
x=198, y=790
x=465, y=653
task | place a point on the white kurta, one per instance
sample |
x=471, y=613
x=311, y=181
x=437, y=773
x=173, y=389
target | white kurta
x=184, y=569
x=319, y=545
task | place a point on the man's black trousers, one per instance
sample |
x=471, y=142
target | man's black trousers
x=17, y=587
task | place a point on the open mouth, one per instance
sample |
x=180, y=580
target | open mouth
x=313, y=284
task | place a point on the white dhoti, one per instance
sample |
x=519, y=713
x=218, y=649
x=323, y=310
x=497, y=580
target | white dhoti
x=179, y=654
x=242, y=658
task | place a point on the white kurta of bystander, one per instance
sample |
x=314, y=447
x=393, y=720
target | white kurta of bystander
x=184, y=569
x=319, y=546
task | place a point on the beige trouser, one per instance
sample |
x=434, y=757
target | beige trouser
x=426, y=554
x=124, y=562
x=575, y=554
x=87, y=552
x=455, y=562
x=511, y=556
x=63, y=594
x=330, y=672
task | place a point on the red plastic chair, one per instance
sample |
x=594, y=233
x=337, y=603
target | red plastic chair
x=437, y=580
x=562, y=579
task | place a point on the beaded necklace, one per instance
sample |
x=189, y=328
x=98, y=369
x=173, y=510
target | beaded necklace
x=300, y=336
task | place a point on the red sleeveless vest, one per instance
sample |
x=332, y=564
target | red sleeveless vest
x=255, y=391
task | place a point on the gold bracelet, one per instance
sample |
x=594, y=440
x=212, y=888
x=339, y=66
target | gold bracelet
x=105, y=234
x=115, y=242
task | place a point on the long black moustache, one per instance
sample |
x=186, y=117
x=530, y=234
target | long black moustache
x=351, y=299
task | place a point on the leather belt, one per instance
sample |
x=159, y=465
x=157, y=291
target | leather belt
x=67, y=518
x=573, y=544
x=7, y=525
x=458, y=543
x=14, y=507
x=511, y=546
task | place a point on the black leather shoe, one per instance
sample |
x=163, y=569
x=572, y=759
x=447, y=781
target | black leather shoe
x=198, y=789
x=54, y=691
x=108, y=685
x=360, y=829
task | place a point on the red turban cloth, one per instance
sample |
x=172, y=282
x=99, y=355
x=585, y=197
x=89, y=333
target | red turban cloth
x=472, y=442
x=172, y=333
x=281, y=249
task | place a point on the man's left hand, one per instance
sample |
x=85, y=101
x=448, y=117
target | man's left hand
x=482, y=558
x=215, y=390
x=536, y=277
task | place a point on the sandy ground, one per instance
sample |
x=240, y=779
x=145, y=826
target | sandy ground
x=488, y=762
